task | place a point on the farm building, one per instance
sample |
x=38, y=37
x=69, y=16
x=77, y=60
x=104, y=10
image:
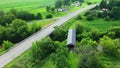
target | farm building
x=71, y=39
x=62, y=9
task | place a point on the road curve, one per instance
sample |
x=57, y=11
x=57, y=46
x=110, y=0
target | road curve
x=27, y=43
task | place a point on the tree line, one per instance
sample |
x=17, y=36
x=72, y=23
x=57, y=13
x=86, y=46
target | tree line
x=8, y=17
x=17, y=31
x=59, y=3
x=108, y=10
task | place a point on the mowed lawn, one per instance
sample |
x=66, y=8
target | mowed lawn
x=24, y=4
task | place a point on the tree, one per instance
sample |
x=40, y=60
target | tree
x=90, y=17
x=94, y=34
x=24, y=15
x=115, y=13
x=49, y=16
x=13, y=11
x=20, y=29
x=42, y=49
x=103, y=4
x=35, y=27
x=48, y=8
x=107, y=18
x=90, y=57
x=2, y=12
x=60, y=57
x=110, y=47
x=66, y=2
x=2, y=33
x=58, y=4
x=116, y=31
x=53, y=9
x=79, y=28
x=79, y=17
x=39, y=16
x=8, y=18
x=59, y=34
x=7, y=44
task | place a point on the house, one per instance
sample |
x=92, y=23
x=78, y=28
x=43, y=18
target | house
x=62, y=9
x=71, y=39
x=105, y=9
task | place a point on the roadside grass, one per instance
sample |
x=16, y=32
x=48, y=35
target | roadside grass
x=2, y=51
x=21, y=58
x=41, y=23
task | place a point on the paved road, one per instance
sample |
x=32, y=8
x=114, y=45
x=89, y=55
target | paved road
x=27, y=43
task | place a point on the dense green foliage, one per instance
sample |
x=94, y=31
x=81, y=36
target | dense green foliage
x=57, y=54
x=92, y=45
x=90, y=57
x=42, y=49
x=61, y=58
x=49, y=16
x=17, y=31
x=7, y=45
x=112, y=7
x=110, y=47
x=8, y=17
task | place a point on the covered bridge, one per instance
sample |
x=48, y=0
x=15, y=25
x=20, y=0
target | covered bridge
x=71, y=39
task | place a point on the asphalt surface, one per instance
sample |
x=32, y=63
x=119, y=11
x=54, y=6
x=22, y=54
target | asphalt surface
x=27, y=43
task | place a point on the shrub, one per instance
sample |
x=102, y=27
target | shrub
x=53, y=9
x=116, y=30
x=87, y=13
x=7, y=44
x=100, y=15
x=111, y=34
x=89, y=3
x=107, y=18
x=89, y=57
x=49, y=16
x=79, y=28
x=48, y=8
x=61, y=57
x=110, y=47
x=39, y=16
x=42, y=49
x=79, y=17
x=94, y=34
x=59, y=34
x=90, y=17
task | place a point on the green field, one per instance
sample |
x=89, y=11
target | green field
x=99, y=24
x=28, y=4
x=35, y=6
x=24, y=4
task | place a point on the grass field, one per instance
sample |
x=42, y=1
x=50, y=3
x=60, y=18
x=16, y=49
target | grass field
x=28, y=4
x=24, y=4
x=35, y=6
x=99, y=24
